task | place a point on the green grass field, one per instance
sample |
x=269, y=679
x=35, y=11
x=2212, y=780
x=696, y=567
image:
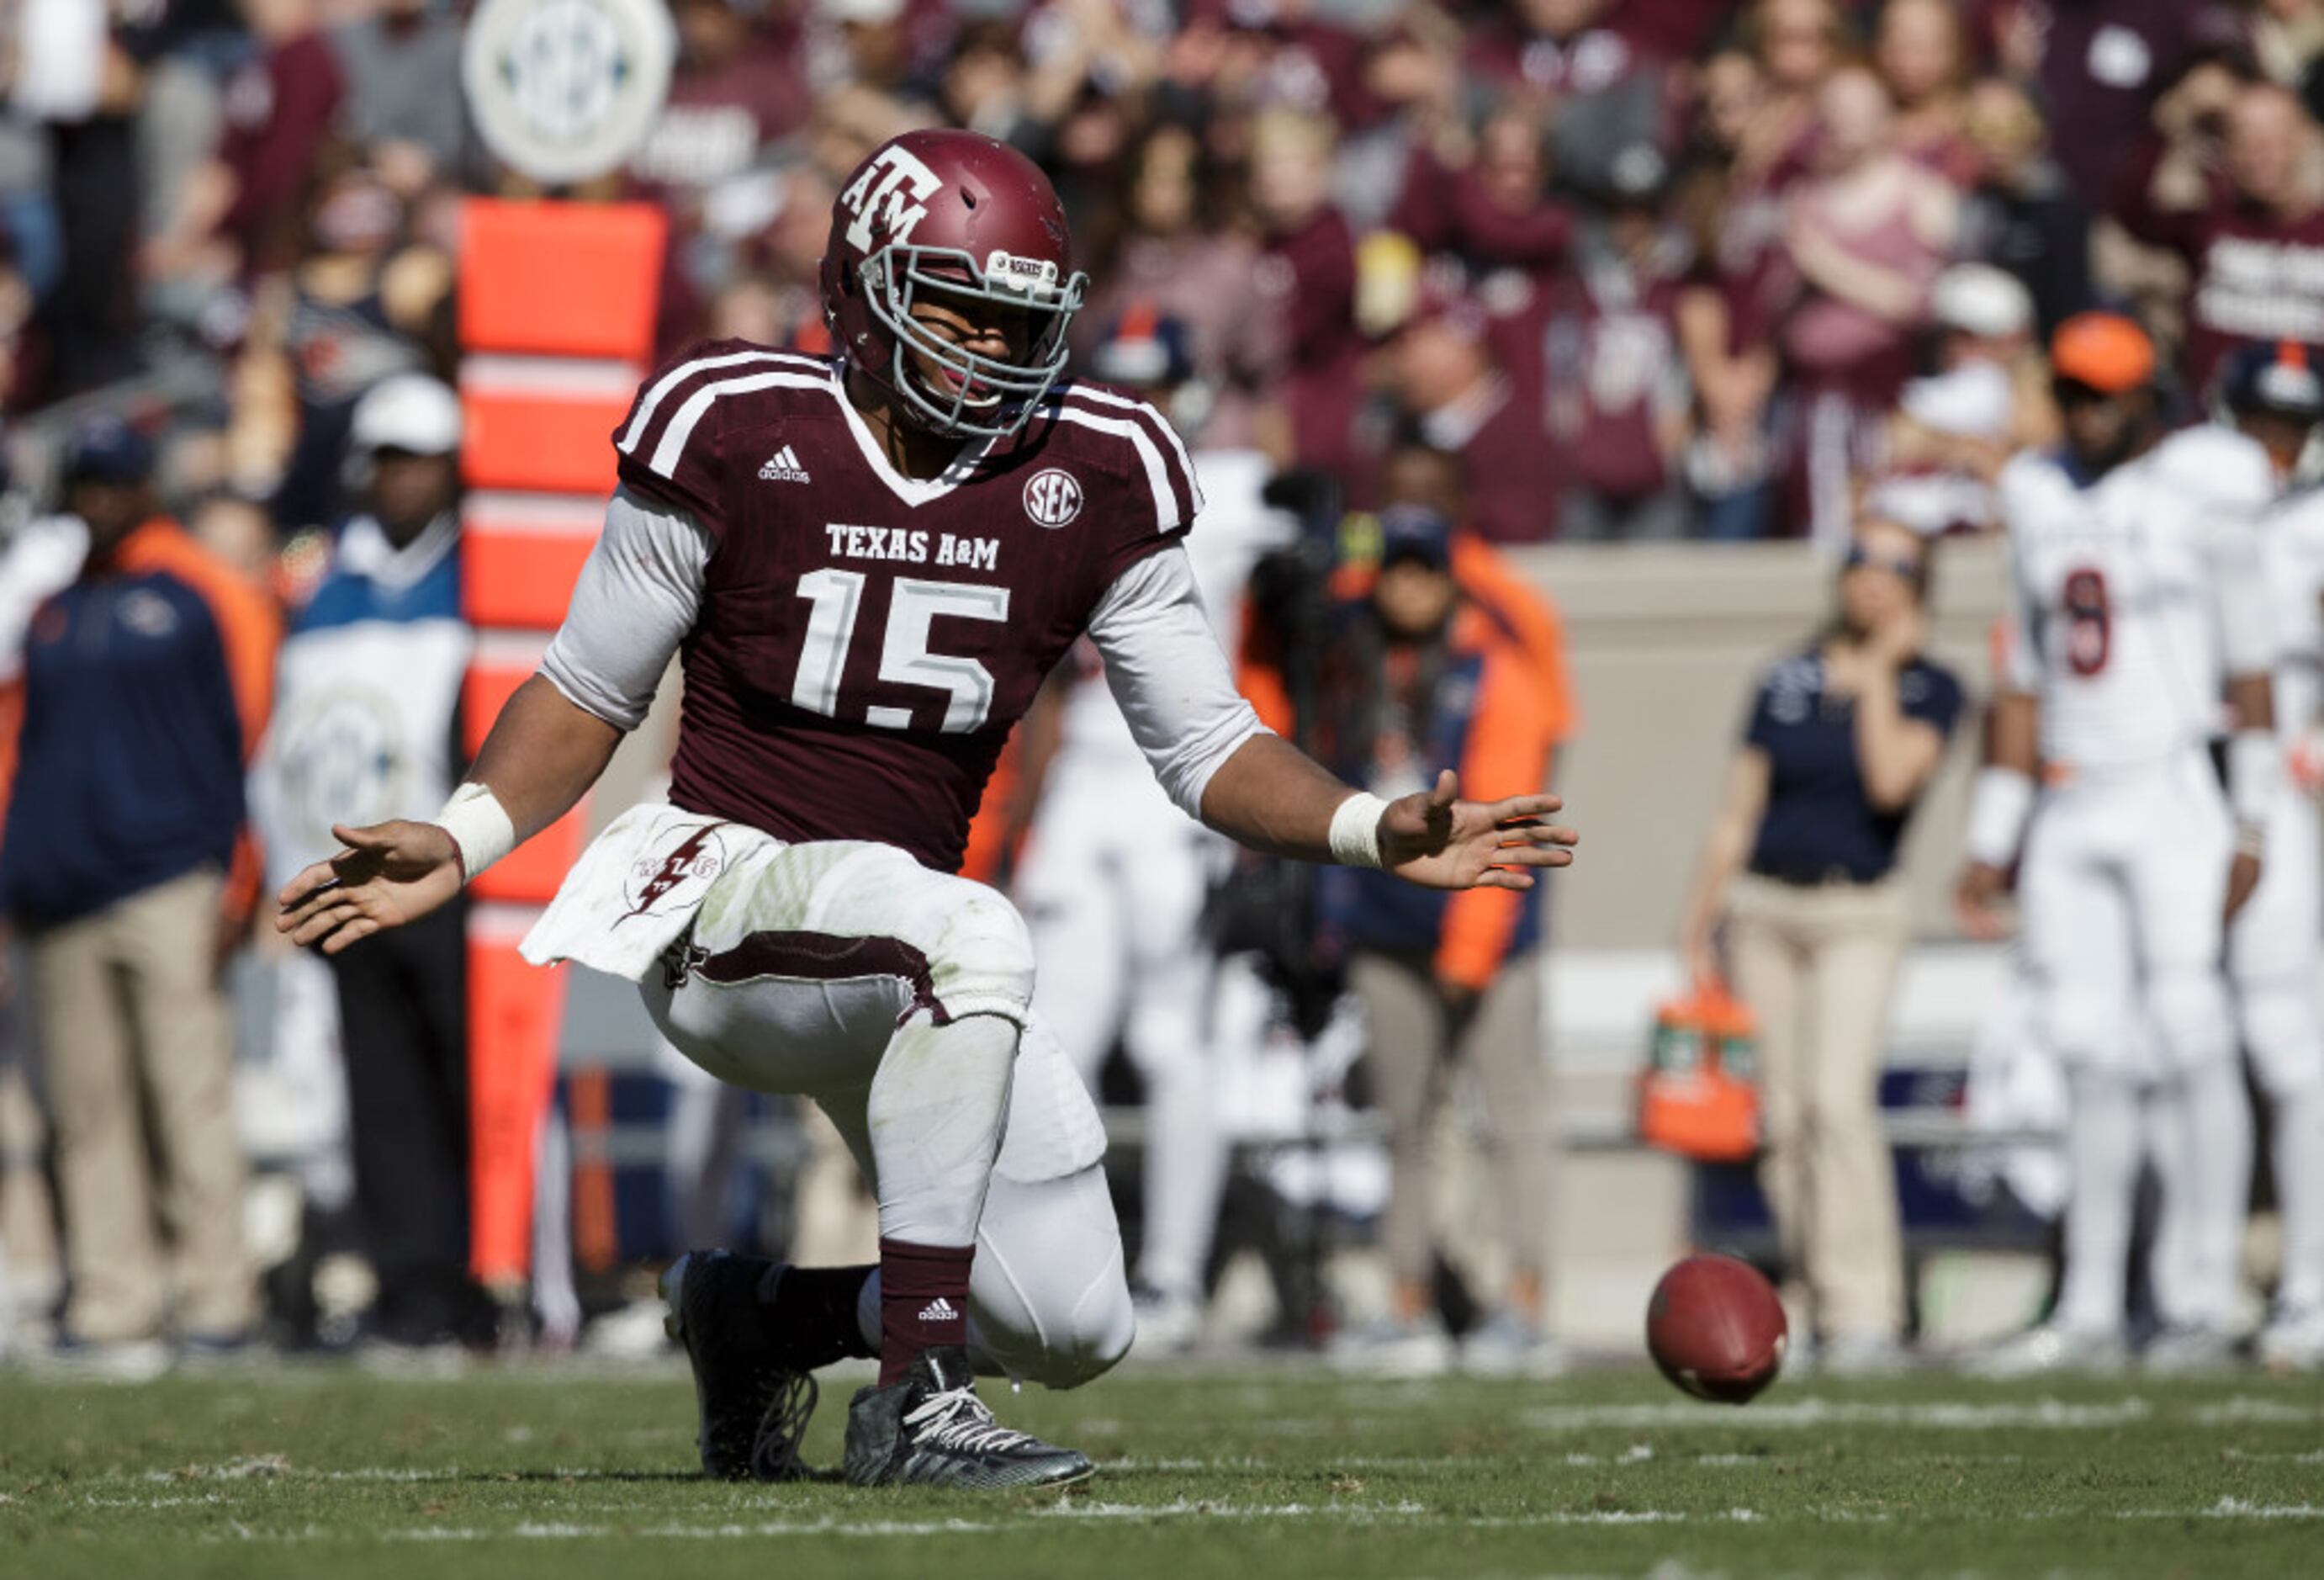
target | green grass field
x=570, y=1470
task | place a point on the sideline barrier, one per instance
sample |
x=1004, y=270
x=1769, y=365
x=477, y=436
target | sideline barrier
x=556, y=305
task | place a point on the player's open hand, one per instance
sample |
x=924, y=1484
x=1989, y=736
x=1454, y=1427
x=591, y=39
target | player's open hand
x=389, y=873
x=1439, y=841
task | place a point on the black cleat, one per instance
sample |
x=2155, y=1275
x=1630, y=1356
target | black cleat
x=754, y=1409
x=931, y=1430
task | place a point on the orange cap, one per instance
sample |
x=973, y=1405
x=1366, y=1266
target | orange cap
x=2106, y=351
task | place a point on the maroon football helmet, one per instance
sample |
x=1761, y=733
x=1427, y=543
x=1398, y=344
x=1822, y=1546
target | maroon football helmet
x=952, y=216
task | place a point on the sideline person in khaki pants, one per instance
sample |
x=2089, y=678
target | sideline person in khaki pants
x=1844, y=737
x=133, y=1023
x=1421, y=680
x=1418, y=1045
x=146, y=683
x=1816, y=963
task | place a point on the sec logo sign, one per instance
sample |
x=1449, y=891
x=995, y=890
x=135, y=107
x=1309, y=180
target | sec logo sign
x=1052, y=497
x=565, y=91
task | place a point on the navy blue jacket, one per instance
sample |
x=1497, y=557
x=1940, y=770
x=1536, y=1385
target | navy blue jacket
x=130, y=766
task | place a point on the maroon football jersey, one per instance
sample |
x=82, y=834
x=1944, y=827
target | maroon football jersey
x=866, y=641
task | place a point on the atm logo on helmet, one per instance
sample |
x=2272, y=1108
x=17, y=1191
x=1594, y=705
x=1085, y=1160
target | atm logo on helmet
x=892, y=195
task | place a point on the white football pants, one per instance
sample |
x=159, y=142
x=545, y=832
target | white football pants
x=2124, y=880
x=2275, y=961
x=1112, y=887
x=898, y=998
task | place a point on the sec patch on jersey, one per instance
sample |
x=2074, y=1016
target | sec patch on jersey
x=1052, y=497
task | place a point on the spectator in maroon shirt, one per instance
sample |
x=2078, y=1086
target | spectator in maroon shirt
x=1672, y=30
x=897, y=46
x=1493, y=213
x=2250, y=225
x=1615, y=386
x=1449, y=383
x=1798, y=43
x=1734, y=211
x=1279, y=51
x=733, y=92
x=2020, y=214
x=1022, y=83
x=1922, y=51
x=2100, y=66
x=1554, y=48
x=1308, y=280
x=1165, y=242
x=1863, y=242
x=278, y=111
x=1600, y=94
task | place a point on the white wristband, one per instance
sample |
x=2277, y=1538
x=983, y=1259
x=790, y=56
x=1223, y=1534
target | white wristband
x=1999, y=808
x=1355, y=830
x=479, y=827
x=2255, y=774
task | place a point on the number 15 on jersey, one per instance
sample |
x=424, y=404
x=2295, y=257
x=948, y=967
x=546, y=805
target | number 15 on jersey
x=913, y=605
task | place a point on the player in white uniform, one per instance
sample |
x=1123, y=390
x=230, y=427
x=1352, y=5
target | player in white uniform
x=1115, y=877
x=2275, y=952
x=2137, y=597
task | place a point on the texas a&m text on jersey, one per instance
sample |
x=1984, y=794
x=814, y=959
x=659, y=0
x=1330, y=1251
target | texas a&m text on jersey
x=894, y=629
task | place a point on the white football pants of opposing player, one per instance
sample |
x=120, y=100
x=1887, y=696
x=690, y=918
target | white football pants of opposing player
x=2275, y=959
x=2124, y=890
x=823, y=970
x=1113, y=887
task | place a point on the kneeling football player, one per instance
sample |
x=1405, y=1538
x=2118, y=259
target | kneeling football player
x=867, y=564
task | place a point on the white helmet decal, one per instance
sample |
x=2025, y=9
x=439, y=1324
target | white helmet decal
x=893, y=190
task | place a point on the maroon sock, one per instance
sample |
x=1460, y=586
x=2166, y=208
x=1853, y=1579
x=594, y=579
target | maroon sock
x=923, y=1302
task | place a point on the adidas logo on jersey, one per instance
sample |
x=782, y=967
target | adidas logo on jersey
x=783, y=466
x=939, y=1310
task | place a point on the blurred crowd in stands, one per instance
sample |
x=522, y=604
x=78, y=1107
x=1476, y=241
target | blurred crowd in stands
x=1659, y=268
x=1577, y=271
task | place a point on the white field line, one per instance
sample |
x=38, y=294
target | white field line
x=535, y=1531
x=270, y=1466
x=1133, y=1463
x=2232, y=1509
x=1819, y=1412
x=2244, y=1410
x=1402, y=1514
x=206, y=1500
x=1407, y=1516
x=1637, y=1454
x=1205, y=1509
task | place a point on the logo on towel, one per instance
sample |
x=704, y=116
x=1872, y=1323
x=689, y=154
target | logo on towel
x=659, y=883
